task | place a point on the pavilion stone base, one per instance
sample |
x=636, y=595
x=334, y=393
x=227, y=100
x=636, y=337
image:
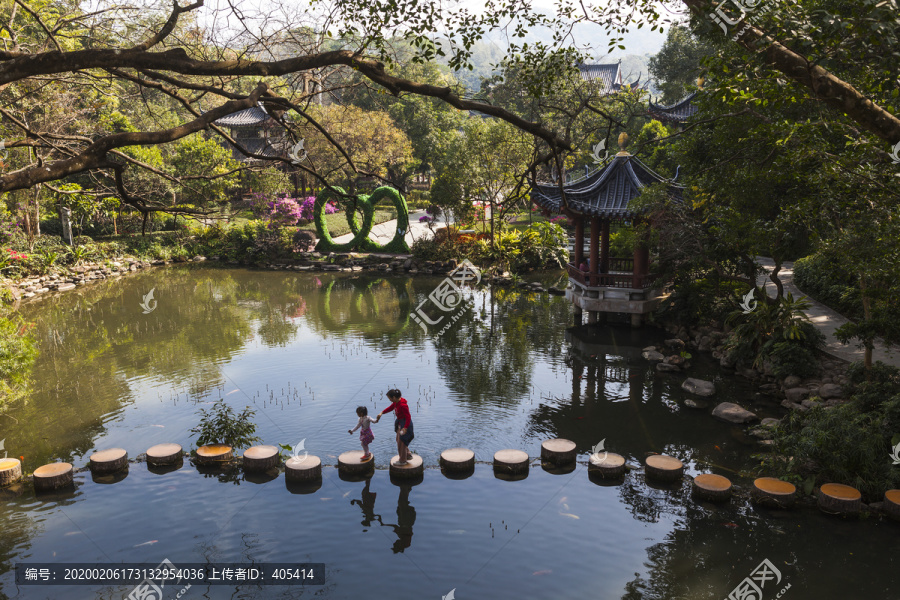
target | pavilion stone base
x=599, y=300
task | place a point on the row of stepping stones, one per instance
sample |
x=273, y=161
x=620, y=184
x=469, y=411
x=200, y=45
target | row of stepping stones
x=831, y=497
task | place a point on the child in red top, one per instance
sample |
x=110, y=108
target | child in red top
x=402, y=424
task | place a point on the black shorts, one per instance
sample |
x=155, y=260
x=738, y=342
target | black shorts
x=407, y=437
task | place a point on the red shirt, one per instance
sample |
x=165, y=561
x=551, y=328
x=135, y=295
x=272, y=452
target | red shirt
x=401, y=410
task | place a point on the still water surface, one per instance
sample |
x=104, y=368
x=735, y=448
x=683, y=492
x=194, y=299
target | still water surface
x=304, y=350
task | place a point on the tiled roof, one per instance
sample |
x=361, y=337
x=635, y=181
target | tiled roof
x=255, y=115
x=606, y=193
x=679, y=112
x=607, y=74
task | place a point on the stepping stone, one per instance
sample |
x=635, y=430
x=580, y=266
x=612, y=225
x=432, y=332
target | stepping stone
x=663, y=468
x=214, y=453
x=351, y=463
x=458, y=459
x=836, y=498
x=109, y=461
x=10, y=471
x=892, y=503
x=53, y=476
x=164, y=454
x=511, y=461
x=413, y=467
x=699, y=387
x=260, y=458
x=610, y=466
x=732, y=413
x=713, y=488
x=558, y=451
x=769, y=491
x=307, y=468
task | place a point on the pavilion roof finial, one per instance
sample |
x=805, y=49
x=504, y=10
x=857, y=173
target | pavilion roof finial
x=623, y=143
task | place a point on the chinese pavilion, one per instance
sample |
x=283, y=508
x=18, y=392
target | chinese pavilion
x=604, y=284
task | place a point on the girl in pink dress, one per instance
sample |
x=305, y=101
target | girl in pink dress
x=365, y=430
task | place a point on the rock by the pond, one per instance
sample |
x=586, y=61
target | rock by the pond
x=699, y=404
x=675, y=344
x=792, y=381
x=796, y=395
x=699, y=387
x=770, y=422
x=830, y=390
x=667, y=368
x=653, y=355
x=728, y=411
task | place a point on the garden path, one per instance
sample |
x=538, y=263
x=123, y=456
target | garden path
x=384, y=232
x=825, y=319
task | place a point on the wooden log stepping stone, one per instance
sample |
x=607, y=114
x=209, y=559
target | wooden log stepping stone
x=713, y=488
x=214, y=453
x=458, y=459
x=164, y=454
x=303, y=468
x=663, y=468
x=558, y=451
x=837, y=498
x=511, y=461
x=413, y=467
x=769, y=491
x=109, y=461
x=892, y=504
x=261, y=458
x=607, y=465
x=53, y=476
x=351, y=463
x=10, y=471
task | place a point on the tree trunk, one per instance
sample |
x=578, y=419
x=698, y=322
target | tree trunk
x=867, y=314
x=144, y=224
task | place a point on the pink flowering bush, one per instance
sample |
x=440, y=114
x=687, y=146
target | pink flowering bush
x=284, y=211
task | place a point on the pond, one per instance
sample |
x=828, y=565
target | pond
x=304, y=350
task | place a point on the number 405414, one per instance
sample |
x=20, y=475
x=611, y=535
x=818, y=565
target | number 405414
x=293, y=574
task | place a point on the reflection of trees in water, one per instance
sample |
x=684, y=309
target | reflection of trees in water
x=489, y=353
x=374, y=307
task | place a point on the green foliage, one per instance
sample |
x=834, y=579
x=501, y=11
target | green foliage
x=678, y=64
x=18, y=351
x=849, y=443
x=221, y=425
x=779, y=333
x=824, y=281
x=366, y=204
x=194, y=155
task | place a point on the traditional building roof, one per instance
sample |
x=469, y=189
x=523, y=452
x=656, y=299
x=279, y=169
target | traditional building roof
x=679, y=112
x=608, y=75
x=255, y=115
x=606, y=193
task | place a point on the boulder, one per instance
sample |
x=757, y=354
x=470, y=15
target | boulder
x=667, y=368
x=675, y=344
x=698, y=404
x=797, y=394
x=653, y=355
x=732, y=413
x=790, y=405
x=830, y=390
x=770, y=422
x=698, y=387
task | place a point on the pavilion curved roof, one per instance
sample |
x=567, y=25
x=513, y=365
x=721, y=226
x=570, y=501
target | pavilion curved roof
x=679, y=112
x=607, y=192
x=255, y=115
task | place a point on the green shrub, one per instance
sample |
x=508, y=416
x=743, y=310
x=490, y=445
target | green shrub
x=820, y=279
x=220, y=425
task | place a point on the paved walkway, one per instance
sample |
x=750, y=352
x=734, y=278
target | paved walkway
x=384, y=232
x=825, y=319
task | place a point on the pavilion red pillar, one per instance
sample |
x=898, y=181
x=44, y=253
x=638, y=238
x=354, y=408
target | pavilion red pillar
x=604, y=246
x=595, y=249
x=579, y=241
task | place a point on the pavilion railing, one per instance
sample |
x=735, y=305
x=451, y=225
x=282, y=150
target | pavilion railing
x=613, y=280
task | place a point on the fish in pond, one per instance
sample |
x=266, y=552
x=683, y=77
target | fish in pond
x=570, y=515
x=731, y=525
x=543, y=572
x=150, y=543
x=456, y=531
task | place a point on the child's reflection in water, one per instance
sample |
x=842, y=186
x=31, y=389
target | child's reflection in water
x=406, y=515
